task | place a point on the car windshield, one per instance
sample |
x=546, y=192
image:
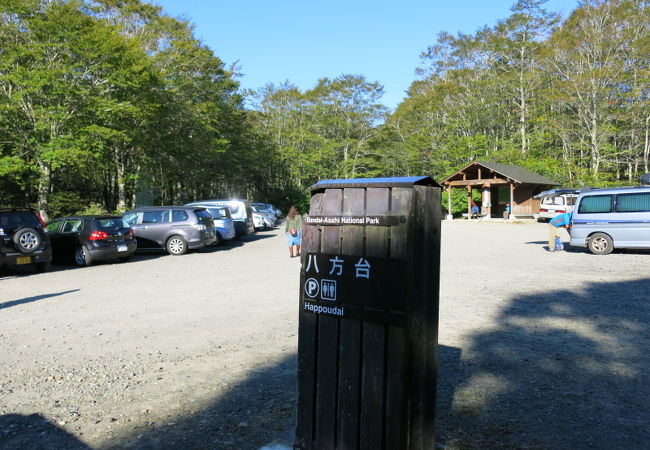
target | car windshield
x=16, y=219
x=110, y=224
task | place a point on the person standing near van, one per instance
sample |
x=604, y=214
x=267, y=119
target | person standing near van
x=474, y=210
x=293, y=230
x=560, y=221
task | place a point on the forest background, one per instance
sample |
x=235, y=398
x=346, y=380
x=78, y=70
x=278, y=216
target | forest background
x=103, y=101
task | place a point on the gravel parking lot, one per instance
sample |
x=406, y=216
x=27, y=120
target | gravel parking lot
x=536, y=349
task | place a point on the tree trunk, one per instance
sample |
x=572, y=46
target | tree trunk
x=43, y=189
x=522, y=115
x=595, y=148
x=646, y=146
x=121, y=182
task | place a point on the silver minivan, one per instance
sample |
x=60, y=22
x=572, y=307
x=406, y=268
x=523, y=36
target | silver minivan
x=605, y=219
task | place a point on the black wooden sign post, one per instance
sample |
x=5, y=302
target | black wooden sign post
x=368, y=325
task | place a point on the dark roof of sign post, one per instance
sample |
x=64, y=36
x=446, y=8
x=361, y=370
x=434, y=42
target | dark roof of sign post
x=374, y=182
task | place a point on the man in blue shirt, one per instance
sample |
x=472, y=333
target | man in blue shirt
x=560, y=221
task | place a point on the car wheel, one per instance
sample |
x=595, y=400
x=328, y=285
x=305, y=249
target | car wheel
x=27, y=240
x=43, y=267
x=218, y=241
x=82, y=257
x=176, y=245
x=600, y=244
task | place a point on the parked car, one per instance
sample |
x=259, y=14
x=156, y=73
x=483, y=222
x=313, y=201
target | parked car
x=223, y=222
x=176, y=229
x=241, y=213
x=84, y=240
x=258, y=222
x=554, y=202
x=267, y=209
x=23, y=240
x=605, y=219
x=268, y=218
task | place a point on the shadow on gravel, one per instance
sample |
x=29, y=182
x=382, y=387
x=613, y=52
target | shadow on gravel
x=258, y=410
x=236, y=243
x=18, y=432
x=33, y=299
x=568, y=369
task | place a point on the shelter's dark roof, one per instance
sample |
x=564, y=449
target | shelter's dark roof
x=516, y=173
x=375, y=182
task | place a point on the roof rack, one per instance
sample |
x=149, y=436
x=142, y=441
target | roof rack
x=560, y=192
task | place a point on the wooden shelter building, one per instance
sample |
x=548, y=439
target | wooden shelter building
x=499, y=184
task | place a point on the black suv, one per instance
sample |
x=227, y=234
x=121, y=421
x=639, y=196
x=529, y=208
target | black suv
x=23, y=240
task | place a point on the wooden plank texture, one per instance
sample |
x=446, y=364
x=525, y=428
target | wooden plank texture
x=373, y=336
x=423, y=318
x=307, y=325
x=328, y=333
x=396, y=364
x=350, y=335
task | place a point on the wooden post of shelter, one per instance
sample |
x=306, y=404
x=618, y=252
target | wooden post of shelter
x=512, y=200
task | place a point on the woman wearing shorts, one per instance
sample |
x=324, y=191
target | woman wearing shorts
x=293, y=229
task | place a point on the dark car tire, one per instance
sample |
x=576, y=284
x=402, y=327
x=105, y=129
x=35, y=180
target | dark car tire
x=43, y=267
x=218, y=241
x=82, y=257
x=27, y=240
x=176, y=245
x=600, y=244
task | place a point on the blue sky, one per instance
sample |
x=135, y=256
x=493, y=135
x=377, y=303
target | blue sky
x=303, y=41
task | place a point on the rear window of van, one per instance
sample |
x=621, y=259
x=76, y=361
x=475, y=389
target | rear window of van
x=593, y=204
x=553, y=200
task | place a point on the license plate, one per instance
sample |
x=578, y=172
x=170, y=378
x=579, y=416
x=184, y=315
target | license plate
x=122, y=248
x=24, y=260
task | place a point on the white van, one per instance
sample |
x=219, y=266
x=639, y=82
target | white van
x=554, y=202
x=240, y=210
x=605, y=219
